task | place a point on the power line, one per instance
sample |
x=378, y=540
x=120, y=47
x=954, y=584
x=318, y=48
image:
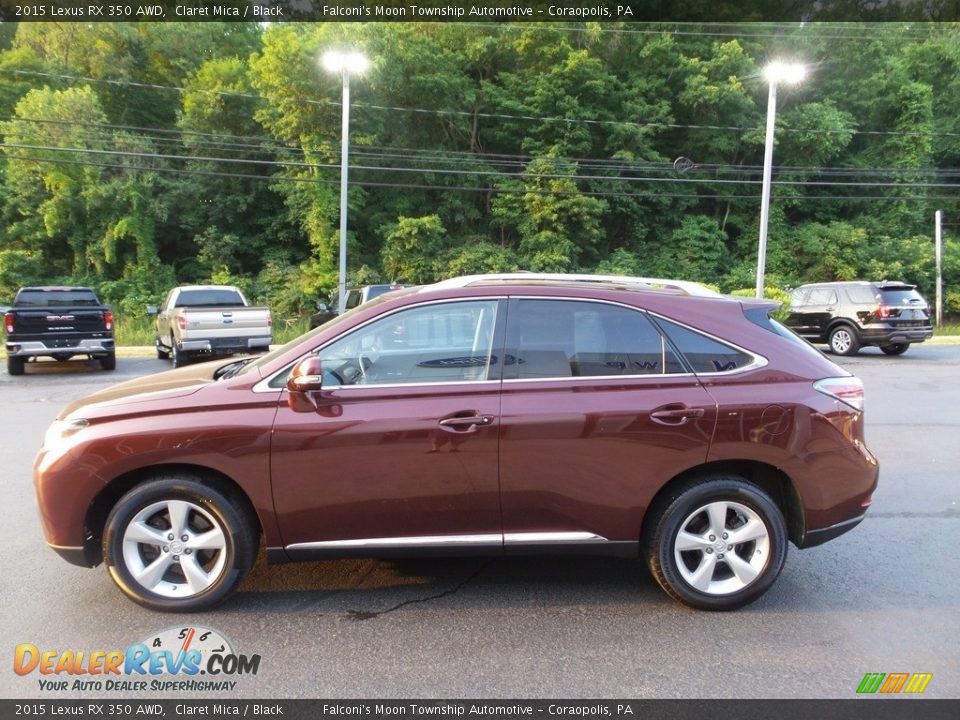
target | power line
x=486, y=189
x=485, y=115
x=472, y=172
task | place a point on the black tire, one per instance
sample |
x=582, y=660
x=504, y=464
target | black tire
x=108, y=362
x=895, y=349
x=205, y=506
x=15, y=365
x=688, y=508
x=177, y=355
x=162, y=352
x=843, y=340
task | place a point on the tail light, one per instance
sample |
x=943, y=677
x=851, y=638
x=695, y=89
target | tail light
x=108, y=319
x=181, y=322
x=8, y=323
x=885, y=311
x=845, y=389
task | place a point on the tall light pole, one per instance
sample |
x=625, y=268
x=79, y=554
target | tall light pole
x=775, y=72
x=344, y=63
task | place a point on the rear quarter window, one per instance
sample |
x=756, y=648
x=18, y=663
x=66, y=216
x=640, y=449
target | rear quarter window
x=861, y=295
x=704, y=354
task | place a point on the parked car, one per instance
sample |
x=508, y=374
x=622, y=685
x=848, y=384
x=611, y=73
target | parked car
x=501, y=415
x=211, y=320
x=355, y=297
x=851, y=315
x=58, y=322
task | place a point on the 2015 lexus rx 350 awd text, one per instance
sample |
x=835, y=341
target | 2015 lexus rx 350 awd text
x=501, y=415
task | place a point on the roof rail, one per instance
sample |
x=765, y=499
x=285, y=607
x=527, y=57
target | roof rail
x=686, y=286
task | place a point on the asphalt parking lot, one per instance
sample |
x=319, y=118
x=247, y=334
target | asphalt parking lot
x=883, y=598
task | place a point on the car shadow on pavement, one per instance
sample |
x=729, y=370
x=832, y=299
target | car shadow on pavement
x=366, y=589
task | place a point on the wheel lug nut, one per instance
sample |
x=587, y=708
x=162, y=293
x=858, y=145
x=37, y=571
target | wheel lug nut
x=729, y=547
x=725, y=536
x=712, y=538
x=185, y=537
x=170, y=536
x=709, y=551
x=176, y=557
x=166, y=548
x=719, y=556
x=188, y=551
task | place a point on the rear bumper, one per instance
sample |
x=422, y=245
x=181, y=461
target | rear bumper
x=37, y=348
x=215, y=345
x=894, y=336
x=79, y=556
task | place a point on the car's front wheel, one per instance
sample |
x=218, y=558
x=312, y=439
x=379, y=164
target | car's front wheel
x=179, y=543
x=717, y=543
x=895, y=349
x=843, y=340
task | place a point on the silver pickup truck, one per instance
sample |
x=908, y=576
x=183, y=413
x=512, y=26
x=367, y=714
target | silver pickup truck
x=211, y=320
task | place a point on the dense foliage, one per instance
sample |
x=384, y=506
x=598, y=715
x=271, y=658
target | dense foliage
x=136, y=156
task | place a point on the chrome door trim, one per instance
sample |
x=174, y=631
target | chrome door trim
x=428, y=541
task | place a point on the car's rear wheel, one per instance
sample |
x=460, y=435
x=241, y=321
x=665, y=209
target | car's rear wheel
x=15, y=365
x=717, y=543
x=895, y=349
x=108, y=362
x=843, y=340
x=179, y=543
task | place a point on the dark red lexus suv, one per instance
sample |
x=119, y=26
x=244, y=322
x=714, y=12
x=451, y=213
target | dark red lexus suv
x=499, y=415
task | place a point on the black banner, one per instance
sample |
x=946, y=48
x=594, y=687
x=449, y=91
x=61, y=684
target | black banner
x=872, y=709
x=675, y=11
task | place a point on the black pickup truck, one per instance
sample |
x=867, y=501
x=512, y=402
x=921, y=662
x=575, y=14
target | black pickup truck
x=58, y=322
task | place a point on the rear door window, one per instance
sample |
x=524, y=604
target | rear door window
x=822, y=296
x=570, y=338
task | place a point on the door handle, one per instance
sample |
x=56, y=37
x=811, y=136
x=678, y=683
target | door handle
x=675, y=415
x=466, y=423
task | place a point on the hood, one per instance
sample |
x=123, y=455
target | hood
x=169, y=384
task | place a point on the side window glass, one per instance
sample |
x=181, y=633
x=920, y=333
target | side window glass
x=563, y=338
x=444, y=342
x=353, y=299
x=797, y=297
x=860, y=295
x=704, y=354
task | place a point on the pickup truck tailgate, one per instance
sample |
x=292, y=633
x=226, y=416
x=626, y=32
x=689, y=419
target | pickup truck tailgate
x=63, y=322
x=211, y=321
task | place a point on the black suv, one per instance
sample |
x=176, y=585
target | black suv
x=849, y=315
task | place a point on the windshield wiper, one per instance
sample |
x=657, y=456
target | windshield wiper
x=231, y=369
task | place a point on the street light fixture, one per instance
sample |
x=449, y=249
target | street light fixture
x=346, y=64
x=775, y=72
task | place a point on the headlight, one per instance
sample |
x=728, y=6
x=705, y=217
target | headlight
x=60, y=429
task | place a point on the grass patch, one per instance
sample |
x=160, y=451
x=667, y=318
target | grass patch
x=129, y=332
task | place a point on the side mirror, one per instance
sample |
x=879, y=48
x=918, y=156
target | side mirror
x=324, y=307
x=305, y=378
x=152, y=310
